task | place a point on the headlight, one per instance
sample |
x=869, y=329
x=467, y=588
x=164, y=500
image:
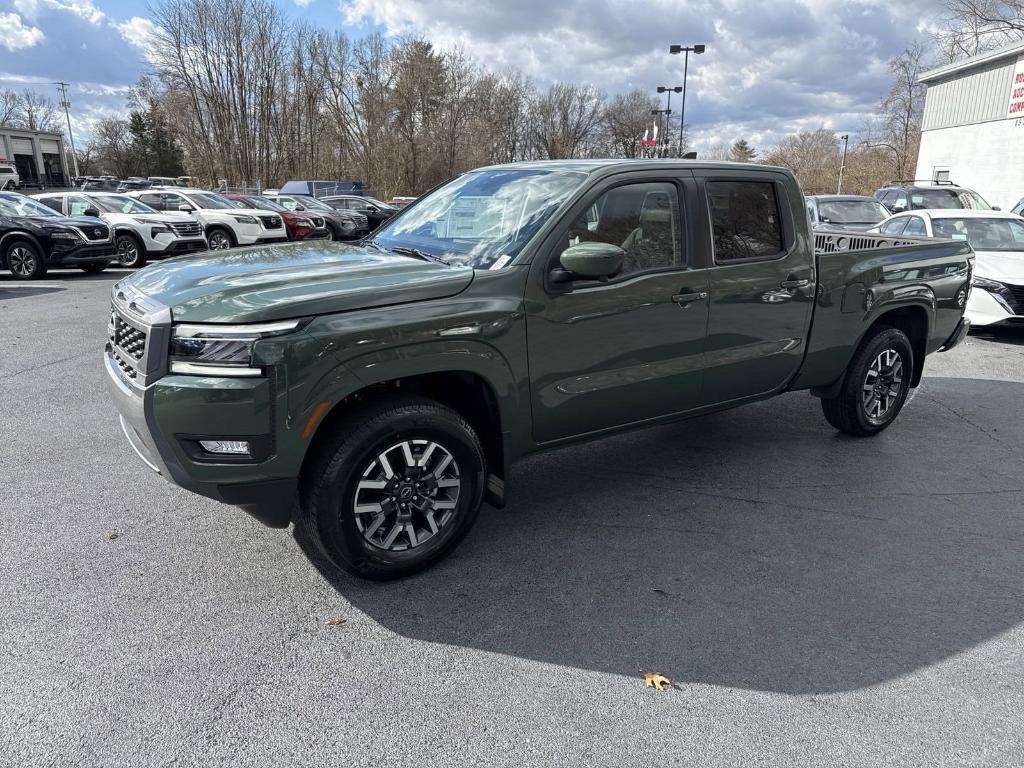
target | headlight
x=243, y=219
x=63, y=235
x=221, y=350
x=988, y=285
x=157, y=226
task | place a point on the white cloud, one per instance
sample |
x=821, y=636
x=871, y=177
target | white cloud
x=137, y=31
x=82, y=8
x=14, y=35
x=303, y=3
x=768, y=70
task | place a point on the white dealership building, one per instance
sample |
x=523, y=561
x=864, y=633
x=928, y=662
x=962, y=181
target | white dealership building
x=972, y=133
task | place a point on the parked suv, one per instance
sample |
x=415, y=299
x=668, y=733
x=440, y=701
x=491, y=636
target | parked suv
x=912, y=196
x=225, y=224
x=300, y=225
x=140, y=233
x=34, y=238
x=9, y=178
x=375, y=211
x=853, y=212
x=343, y=225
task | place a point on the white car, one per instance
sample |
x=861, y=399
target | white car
x=9, y=178
x=225, y=224
x=997, y=287
x=140, y=233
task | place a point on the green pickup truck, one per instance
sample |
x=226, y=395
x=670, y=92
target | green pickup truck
x=376, y=394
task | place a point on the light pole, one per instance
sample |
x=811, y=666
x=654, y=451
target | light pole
x=684, y=49
x=63, y=88
x=842, y=166
x=668, y=89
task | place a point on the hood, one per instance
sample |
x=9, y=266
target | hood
x=82, y=222
x=1004, y=266
x=248, y=285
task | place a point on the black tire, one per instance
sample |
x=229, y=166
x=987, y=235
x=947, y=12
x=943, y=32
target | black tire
x=221, y=236
x=24, y=260
x=94, y=269
x=364, y=545
x=332, y=233
x=130, y=252
x=876, y=384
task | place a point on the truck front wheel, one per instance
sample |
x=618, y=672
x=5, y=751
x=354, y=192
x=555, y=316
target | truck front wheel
x=876, y=384
x=395, y=488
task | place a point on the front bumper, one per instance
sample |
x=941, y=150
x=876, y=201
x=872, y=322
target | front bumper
x=98, y=253
x=177, y=247
x=155, y=417
x=987, y=308
x=958, y=335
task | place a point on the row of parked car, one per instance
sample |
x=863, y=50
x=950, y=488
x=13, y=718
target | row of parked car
x=910, y=210
x=90, y=229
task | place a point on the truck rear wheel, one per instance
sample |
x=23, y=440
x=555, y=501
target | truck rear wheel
x=876, y=384
x=395, y=489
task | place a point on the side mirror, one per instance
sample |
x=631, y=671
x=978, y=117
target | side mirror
x=185, y=208
x=996, y=208
x=90, y=212
x=592, y=261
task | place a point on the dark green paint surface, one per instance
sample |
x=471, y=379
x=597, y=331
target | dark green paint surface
x=562, y=365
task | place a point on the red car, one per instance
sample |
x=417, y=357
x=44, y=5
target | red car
x=300, y=225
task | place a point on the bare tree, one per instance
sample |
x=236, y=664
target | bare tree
x=813, y=156
x=626, y=118
x=974, y=26
x=898, y=128
x=566, y=120
x=36, y=112
x=10, y=104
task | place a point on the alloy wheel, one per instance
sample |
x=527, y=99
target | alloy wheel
x=219, y=242
x=407, y=495
x=882, y=384
x=21, y=260
x=127, y=252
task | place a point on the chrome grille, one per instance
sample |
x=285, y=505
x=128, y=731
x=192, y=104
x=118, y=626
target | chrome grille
x=186, y=228
x=360, y=220
x=95, y=233
x=130, y=339
x=271, y=222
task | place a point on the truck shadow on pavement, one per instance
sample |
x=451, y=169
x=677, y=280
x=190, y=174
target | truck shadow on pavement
x=755, y=548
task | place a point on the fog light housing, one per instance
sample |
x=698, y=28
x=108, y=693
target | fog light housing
x=226, y=447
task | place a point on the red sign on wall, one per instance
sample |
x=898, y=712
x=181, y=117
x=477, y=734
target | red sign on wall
x=1016, y=106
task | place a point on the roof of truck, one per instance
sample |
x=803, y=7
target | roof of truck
x=599, y=164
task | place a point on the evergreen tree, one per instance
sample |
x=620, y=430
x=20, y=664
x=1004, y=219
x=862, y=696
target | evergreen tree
x=742, y=152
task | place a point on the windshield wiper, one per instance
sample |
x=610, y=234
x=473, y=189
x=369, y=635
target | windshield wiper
x=401, y=249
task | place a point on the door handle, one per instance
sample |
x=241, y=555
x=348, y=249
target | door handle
x=795, y=283
x=684, y=299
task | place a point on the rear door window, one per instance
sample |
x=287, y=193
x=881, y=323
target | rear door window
x=915, y=227
x=153, y=201
x=53, y=201
x=745, y=220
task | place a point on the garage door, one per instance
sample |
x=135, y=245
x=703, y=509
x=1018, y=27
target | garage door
x=21, y=146
x=49, y=147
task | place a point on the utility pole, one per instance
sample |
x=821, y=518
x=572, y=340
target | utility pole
x=842, y=166
x=63, y=88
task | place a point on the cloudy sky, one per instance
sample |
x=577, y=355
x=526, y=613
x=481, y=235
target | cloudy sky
x=770, y=68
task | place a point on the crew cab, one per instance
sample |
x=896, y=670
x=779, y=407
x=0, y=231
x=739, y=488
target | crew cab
x=35, y=238
x=225, y=224
x=140, y=232
x=376, y=395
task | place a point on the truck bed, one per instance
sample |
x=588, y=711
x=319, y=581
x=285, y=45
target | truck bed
x=859, y=274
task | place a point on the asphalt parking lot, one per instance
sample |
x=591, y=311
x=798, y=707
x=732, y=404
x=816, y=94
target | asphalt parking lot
x=817, y=600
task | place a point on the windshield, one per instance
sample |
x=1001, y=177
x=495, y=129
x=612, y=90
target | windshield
x=984, y=234
x=120, y=204
x=852, y=212
x=210, y=201
x=312, y=202
x=19, y=205
x=948, y=198
x=481, y=219
x=264, y=203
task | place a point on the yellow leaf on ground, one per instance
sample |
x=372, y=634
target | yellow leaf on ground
x=656, y=680
x=337, y=622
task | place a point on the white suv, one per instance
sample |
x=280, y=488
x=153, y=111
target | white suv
x=9, y=178
x=140, y=233
x=225, y=225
